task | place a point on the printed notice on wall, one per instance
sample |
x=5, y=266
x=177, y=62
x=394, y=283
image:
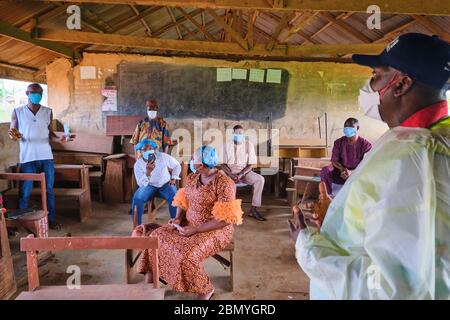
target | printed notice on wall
x=109, y=99
x=240, y=74
x=88, y=72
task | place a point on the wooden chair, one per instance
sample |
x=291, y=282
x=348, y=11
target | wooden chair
x=36, y=221
x=141, y=291
x=7, y=279
x=227, y=263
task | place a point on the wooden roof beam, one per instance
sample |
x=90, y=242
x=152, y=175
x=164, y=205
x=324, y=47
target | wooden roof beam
x=251, y=18
x=18, y=34
x=345, y=27
x=433, y=27
x=297, y=26
x=429, y=7
x=236, y=36
x=282, y=23
x=199, y=26
x=143, y=22
x=174, y=20
x=284, y=51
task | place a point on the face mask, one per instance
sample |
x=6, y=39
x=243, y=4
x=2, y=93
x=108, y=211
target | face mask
x=35, y=97
x=149, y=155
x=237, y=137
x=152, y=114
x=370, y=100
x=349, y=132
x=191, y=166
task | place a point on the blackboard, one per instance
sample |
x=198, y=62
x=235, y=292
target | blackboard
x=193, y=92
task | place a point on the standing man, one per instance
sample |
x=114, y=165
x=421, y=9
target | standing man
x=153, y=128
x=31, y=125
x=348, y=152
x=387, y=233
x=156, y=174
x=238, y=158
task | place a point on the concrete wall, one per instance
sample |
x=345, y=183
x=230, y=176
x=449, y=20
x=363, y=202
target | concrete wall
x=314, y=88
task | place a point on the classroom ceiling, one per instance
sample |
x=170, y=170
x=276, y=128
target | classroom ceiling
x=33, y=33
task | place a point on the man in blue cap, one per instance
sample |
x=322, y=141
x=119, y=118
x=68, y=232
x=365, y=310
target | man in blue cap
x=156, y=174
x=387, y=233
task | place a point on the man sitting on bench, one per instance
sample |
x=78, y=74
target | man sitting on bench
x=238, y=158
x=155, y=174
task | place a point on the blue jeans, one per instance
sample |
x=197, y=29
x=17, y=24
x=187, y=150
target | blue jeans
x=26, y=187
x=145, y=194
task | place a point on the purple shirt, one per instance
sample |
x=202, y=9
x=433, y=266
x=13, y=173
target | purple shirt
x=350, y=155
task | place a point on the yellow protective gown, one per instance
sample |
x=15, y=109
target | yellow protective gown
x=386, y=235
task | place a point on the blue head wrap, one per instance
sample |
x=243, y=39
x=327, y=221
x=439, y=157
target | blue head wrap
x=145, y=142
x=208, y=155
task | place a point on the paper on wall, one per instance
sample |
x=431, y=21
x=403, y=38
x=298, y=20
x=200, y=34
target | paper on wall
x=88, y=72
x=223, y=74
x=257, y=75
x=273, y=76
x=239, y=74
x=110, y=99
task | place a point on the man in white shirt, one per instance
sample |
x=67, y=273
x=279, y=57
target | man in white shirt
x=156, y=174
x=238, y=158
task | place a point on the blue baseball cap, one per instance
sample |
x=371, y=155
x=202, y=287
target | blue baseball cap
x=422, y=57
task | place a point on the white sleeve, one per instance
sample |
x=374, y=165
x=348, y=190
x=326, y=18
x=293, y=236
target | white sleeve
x=251, y=154
x=175, y=166
x=395, y=259
x=140, y=173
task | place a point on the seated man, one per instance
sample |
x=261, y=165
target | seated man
x=238, y=159
x=348, y=152
x=154, y=178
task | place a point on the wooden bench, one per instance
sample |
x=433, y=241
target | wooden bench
x=68, y=173
x=36, y=221
x=7, y=279
x=97, y=162
x=141, y=291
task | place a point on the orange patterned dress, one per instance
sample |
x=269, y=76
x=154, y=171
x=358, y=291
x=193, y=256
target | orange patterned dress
x=181, y=258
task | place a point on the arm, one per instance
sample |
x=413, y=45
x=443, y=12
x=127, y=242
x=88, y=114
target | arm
x=166, y=140
x=175, y=166
x=140, y=173
x=51, y=134
x=14, y=126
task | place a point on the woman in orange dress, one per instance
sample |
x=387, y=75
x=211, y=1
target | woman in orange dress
x=206, y=210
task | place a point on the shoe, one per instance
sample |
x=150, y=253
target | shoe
x=54, y=225
x=256, y=215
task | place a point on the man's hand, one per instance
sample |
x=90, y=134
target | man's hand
x=299, y=226
x=150, y=167
x=68, y=138
x=345, y=174
x=14, y=134
x=187, y=231
x=173, y=182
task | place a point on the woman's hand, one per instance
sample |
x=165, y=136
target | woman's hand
x=299, y=226
x=175, y=221
x=187, y=231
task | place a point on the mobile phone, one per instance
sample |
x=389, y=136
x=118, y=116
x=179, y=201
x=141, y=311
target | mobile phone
x=177, y=226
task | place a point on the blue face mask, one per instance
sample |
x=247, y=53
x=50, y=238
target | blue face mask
x=238, y=137
x=35, y=97
x=349, y=132
x=191, y=166
x=149, y=155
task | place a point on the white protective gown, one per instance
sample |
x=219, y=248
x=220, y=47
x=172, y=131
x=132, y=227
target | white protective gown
x=386, y=235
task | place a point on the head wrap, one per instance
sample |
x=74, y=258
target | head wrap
x=145, y=142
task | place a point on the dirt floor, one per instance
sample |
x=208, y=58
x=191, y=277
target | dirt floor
x=264, y=261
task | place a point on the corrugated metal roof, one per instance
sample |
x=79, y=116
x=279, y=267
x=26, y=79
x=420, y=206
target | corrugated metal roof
x=121, y=19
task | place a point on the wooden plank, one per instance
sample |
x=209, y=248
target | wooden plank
x=251, y=18
x=430, y=7
x=121, y=125
x=18, y=34
x=283, y=23
x=114, y=183
x=202, y=28
x=85, y=142
x=7, y=279
x=434, y=28
x=281, y=51
x=174, y=20
x=233, y=33
x=96, y=292
x=32, y=268
x=306, y=18
x=87, y=243
x=345, y=27
x=78, y=158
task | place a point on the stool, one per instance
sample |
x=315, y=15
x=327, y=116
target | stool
x=35, y=222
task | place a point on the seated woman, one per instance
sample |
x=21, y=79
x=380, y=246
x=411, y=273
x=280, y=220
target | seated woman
x=206, y=211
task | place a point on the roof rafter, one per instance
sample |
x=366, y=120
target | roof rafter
x=228, y=29
x=429, y=7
